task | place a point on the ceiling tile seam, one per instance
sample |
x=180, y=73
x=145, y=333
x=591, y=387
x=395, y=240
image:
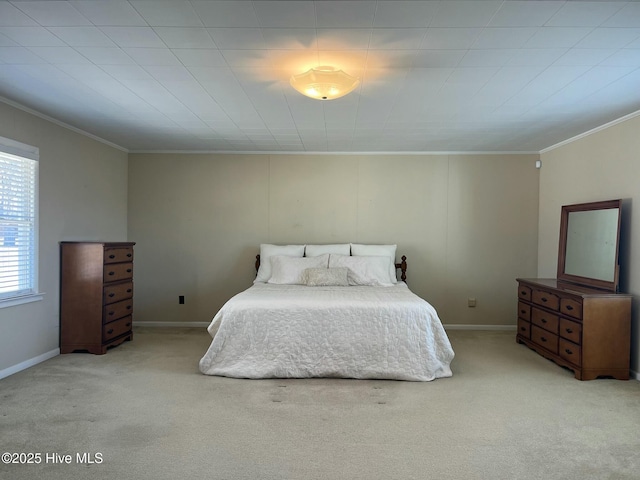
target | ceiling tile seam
x=494, y=15
x=25, y=13
x=139, y=13
x=623, y=5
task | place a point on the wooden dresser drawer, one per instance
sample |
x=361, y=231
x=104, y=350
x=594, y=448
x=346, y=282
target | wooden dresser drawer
x=570, y=351
x=545, y=320
x=524, y=292
x=118, y=271
x=571, y=307
x=118, y=254
x=524, y=328
x=545, y=339
x=545, y=299
x=117, y=292
x=117, y=328
x=524, y=311
x=571, y=330
x=117, y=310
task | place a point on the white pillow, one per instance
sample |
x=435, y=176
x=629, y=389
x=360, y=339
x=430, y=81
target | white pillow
x=267, y=250
x=322, y=277
x=363, y=270
x=290, y=270
x=378, y=251
x=315, y=250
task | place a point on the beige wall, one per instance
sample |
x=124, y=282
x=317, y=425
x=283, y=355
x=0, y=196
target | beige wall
x=82, y=196
x=467, y=223
x=602, y=166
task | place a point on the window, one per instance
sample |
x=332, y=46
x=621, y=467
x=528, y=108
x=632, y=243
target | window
x=18, y=222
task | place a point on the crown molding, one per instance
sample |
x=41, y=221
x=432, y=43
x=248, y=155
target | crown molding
x=591, y=132
x=289, y=152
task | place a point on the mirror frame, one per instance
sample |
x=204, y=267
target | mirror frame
x=562, y=251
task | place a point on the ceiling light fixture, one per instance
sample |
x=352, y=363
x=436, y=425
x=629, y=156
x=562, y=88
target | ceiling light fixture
x=324, y=83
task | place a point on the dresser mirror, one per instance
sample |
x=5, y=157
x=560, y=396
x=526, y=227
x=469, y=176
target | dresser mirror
x=589, y=243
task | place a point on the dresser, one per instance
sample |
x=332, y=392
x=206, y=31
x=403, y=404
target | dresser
x=582, y=328
x=96, y=295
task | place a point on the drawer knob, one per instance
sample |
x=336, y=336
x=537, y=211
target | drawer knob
x=569, y=307
x=544, y=339
x=523, y=328
x=112, y=273
x=111, y=313
x=110, y=331
x=128, y=290
x=112, y=295
x=523, y=293
x=568, y=352
x=544, y=299
x=128, y=324
x=128, y=270
x=523, y=311
x=128, y=255
x=128, y=307
x=112, y=256
x=569, y=330
x=543, y=320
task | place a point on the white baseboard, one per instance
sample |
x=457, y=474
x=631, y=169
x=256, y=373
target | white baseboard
x=455, y=326
x=172, y=324
x=29, y=363
x=634, y=375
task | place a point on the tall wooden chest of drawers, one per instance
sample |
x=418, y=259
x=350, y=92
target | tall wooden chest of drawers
x=96, y=295
x=584, y=329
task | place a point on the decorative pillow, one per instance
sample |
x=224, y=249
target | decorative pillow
x=290, y=270
x=315, y=250
x=326, y=277
x=267, y=250
x=378, y=251
x=364, y=270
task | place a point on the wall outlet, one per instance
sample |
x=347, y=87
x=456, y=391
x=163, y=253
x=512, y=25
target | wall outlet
x=471, y=302
x=181, y=299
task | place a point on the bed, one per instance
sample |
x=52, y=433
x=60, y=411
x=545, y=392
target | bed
x=328, y=315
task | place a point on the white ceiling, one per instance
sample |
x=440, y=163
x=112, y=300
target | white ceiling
x=479, y=75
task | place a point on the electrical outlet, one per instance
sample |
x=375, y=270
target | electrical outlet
x=471, y=302
x=181, y=299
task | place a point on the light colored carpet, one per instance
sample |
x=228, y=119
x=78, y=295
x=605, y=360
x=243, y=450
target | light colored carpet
x=505, y=414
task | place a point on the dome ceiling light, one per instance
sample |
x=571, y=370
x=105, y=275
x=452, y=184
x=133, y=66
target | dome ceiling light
x=324, y=83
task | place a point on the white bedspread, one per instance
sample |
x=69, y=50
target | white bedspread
x=295, y=331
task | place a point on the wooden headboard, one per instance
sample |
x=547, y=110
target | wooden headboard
x=402, y=266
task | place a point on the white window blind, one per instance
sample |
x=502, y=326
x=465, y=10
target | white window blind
x=18, y=227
